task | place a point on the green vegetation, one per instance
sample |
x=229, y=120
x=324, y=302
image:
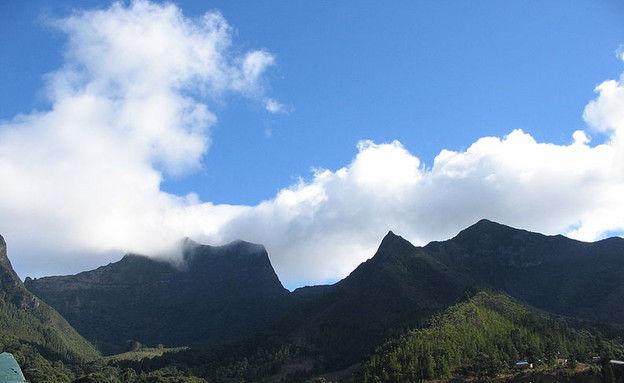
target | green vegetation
x=25, y=320
x=482, y=337
x=141, y=353
x=45, y=330
x=253, y=360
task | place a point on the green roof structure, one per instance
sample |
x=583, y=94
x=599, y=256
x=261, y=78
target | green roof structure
x=10, y=371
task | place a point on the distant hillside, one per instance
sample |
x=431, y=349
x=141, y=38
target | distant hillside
x=553, y=273
x=219, y=294
x=482, y=337
x=24, y=319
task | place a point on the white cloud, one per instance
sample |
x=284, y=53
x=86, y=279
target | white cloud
x=323, y=228
x=132, y=101
x=274, y=106
x=606, y=113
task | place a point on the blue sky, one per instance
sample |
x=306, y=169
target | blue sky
x=431, y=75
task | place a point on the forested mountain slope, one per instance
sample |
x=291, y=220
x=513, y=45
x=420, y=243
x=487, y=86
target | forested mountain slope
x=482, y=337
x=25, y=319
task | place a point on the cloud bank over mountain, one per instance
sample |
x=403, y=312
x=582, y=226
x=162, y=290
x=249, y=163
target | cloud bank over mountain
x=133, y=104
x=130, y=105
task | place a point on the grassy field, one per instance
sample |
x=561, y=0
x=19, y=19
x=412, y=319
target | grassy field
x=142, y=353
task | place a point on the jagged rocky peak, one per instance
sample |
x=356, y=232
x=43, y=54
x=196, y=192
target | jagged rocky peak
x=390, y=238
x=393, y=244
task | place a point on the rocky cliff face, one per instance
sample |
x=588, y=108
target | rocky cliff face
x=216, y=294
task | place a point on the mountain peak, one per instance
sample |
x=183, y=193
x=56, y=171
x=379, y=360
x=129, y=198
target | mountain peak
x=393, y=242
x=10, y=283
x=188, y=243
x=235, y=250
x=5, y=264
x=219, y=294
x=485, y=224
x=238, y=244
x=486, y=230
x=4, y=260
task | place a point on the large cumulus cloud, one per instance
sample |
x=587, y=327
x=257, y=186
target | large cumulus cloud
x=321, y=229
x=130, y=104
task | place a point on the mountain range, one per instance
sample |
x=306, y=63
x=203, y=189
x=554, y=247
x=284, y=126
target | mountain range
x=226, y=293
x=217, y=294
x=552, y=273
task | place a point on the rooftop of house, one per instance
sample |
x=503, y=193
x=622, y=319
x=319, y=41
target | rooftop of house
x=10, y=371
